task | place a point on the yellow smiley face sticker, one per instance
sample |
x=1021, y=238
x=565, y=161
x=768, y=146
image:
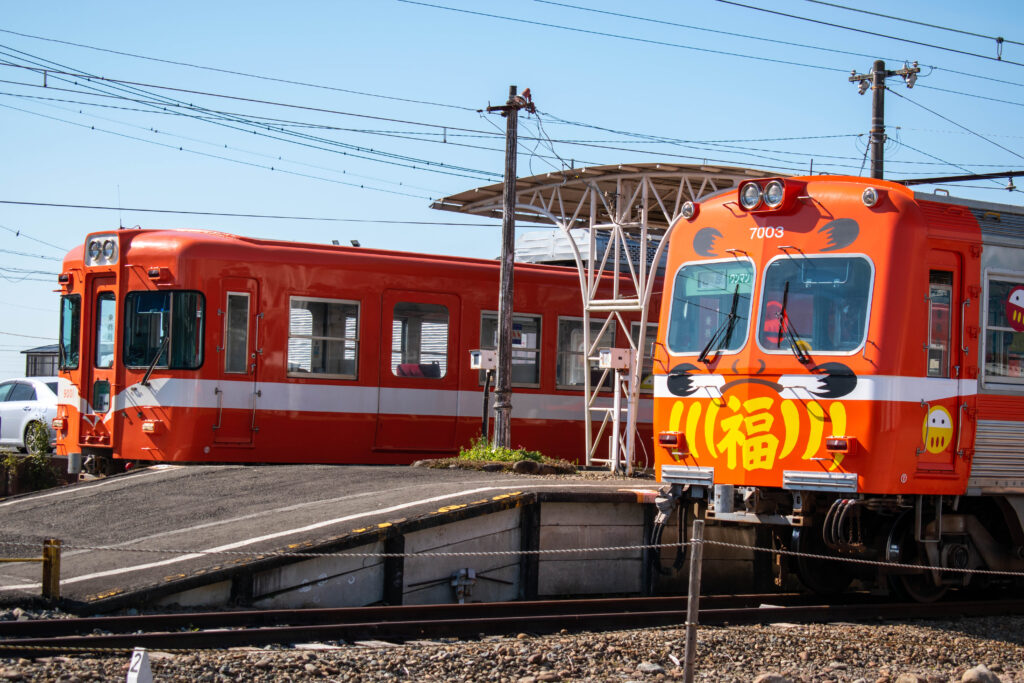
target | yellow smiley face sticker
x=937, y=430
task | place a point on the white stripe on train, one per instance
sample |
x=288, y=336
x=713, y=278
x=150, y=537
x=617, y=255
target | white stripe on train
x=868, y=388
x=331, y=398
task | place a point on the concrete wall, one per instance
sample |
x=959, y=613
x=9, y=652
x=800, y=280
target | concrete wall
x=349, y=581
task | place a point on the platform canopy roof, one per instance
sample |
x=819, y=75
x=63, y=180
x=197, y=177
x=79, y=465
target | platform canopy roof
x=623, y=194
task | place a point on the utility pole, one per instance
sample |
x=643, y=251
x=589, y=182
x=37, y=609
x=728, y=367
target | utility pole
x=876, y=81
x=503, y=381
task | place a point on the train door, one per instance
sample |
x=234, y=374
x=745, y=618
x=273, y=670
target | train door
x=945, y=363
x=419, y=370
x=240, y=357
x=99, y=381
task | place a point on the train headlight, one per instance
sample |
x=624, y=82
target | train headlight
x=690, y=210
x=101, y=250
x=750, y=196
x=869, y=196
x=774, y=194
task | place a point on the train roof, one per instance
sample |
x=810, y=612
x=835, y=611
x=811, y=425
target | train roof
x=197, y=236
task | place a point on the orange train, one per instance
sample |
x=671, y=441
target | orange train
x=197, y=346
x=840, y=360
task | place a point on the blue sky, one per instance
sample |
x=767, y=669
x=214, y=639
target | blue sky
x=388, y=119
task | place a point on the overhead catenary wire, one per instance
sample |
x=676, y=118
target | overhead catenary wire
x=864, y=31
x=775, y=41
x=958, y=125
x=232, y=72
x=22, y=233
x=913, y=21
x=330, y=219
x=607, y=34
x=93, y=80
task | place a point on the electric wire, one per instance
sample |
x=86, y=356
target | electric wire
x=105, y=81
x=606, y=34
x=864, y=31
x=210, y=155
x=912, y=21
x=239, y=73
x=22, y=233
x=27, y=336
x=776, y=41
x=241, y=215
x=958, y=125
x=244, y=151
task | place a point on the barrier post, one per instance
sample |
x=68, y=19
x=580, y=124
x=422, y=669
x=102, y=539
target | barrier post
x=693, y=600
x=51, y=569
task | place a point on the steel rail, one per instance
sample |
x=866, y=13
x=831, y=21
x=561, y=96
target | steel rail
x=484, y=618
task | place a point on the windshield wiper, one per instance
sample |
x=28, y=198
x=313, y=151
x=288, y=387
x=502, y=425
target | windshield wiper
x=727, y=327
x=785, y=327
x=159, y=352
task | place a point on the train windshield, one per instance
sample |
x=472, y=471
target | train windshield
x=166, y=323
x=70, y=328
x=815, y=303
x=711, y=306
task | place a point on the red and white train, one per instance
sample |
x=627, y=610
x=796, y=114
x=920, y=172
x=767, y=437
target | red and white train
x=206, y=347
x=841, y=361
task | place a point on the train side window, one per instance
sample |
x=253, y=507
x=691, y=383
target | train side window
x=151, y=317
x=525, y=346
x=940, y=297
x=646, y=354
x=323, y=338
x=236, y=333
x=70, y=323
x=419, y=340
x=571, y=364
x=104, y=343
x=1004, y=332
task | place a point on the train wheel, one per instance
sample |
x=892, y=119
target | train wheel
x=903, y=548
x=824, y=577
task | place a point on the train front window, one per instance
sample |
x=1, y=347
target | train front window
x=711, y=304
x=164, y=329
x=70, y=325
x=104, y=342
x=815, y=304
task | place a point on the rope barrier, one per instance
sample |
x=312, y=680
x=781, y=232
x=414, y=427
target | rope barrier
x=513, y=553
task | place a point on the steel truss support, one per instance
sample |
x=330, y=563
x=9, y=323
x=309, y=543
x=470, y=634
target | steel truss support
x=618, y=220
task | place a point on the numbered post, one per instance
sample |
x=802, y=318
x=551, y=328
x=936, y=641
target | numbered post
x=138, y=669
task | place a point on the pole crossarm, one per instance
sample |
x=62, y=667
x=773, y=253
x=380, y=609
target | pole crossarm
x=617, y=219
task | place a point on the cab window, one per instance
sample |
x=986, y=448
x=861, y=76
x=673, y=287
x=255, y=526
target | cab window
x=70, y=322
x=711, y=305
x=815, y=304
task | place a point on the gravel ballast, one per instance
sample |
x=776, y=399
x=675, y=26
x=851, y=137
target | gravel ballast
x=965, y=651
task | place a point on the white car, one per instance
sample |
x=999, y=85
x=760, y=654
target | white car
x=27, y=405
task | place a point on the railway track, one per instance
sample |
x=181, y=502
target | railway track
x=216, y=630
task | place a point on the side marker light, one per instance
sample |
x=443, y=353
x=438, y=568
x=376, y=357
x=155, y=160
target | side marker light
x=840, y=444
